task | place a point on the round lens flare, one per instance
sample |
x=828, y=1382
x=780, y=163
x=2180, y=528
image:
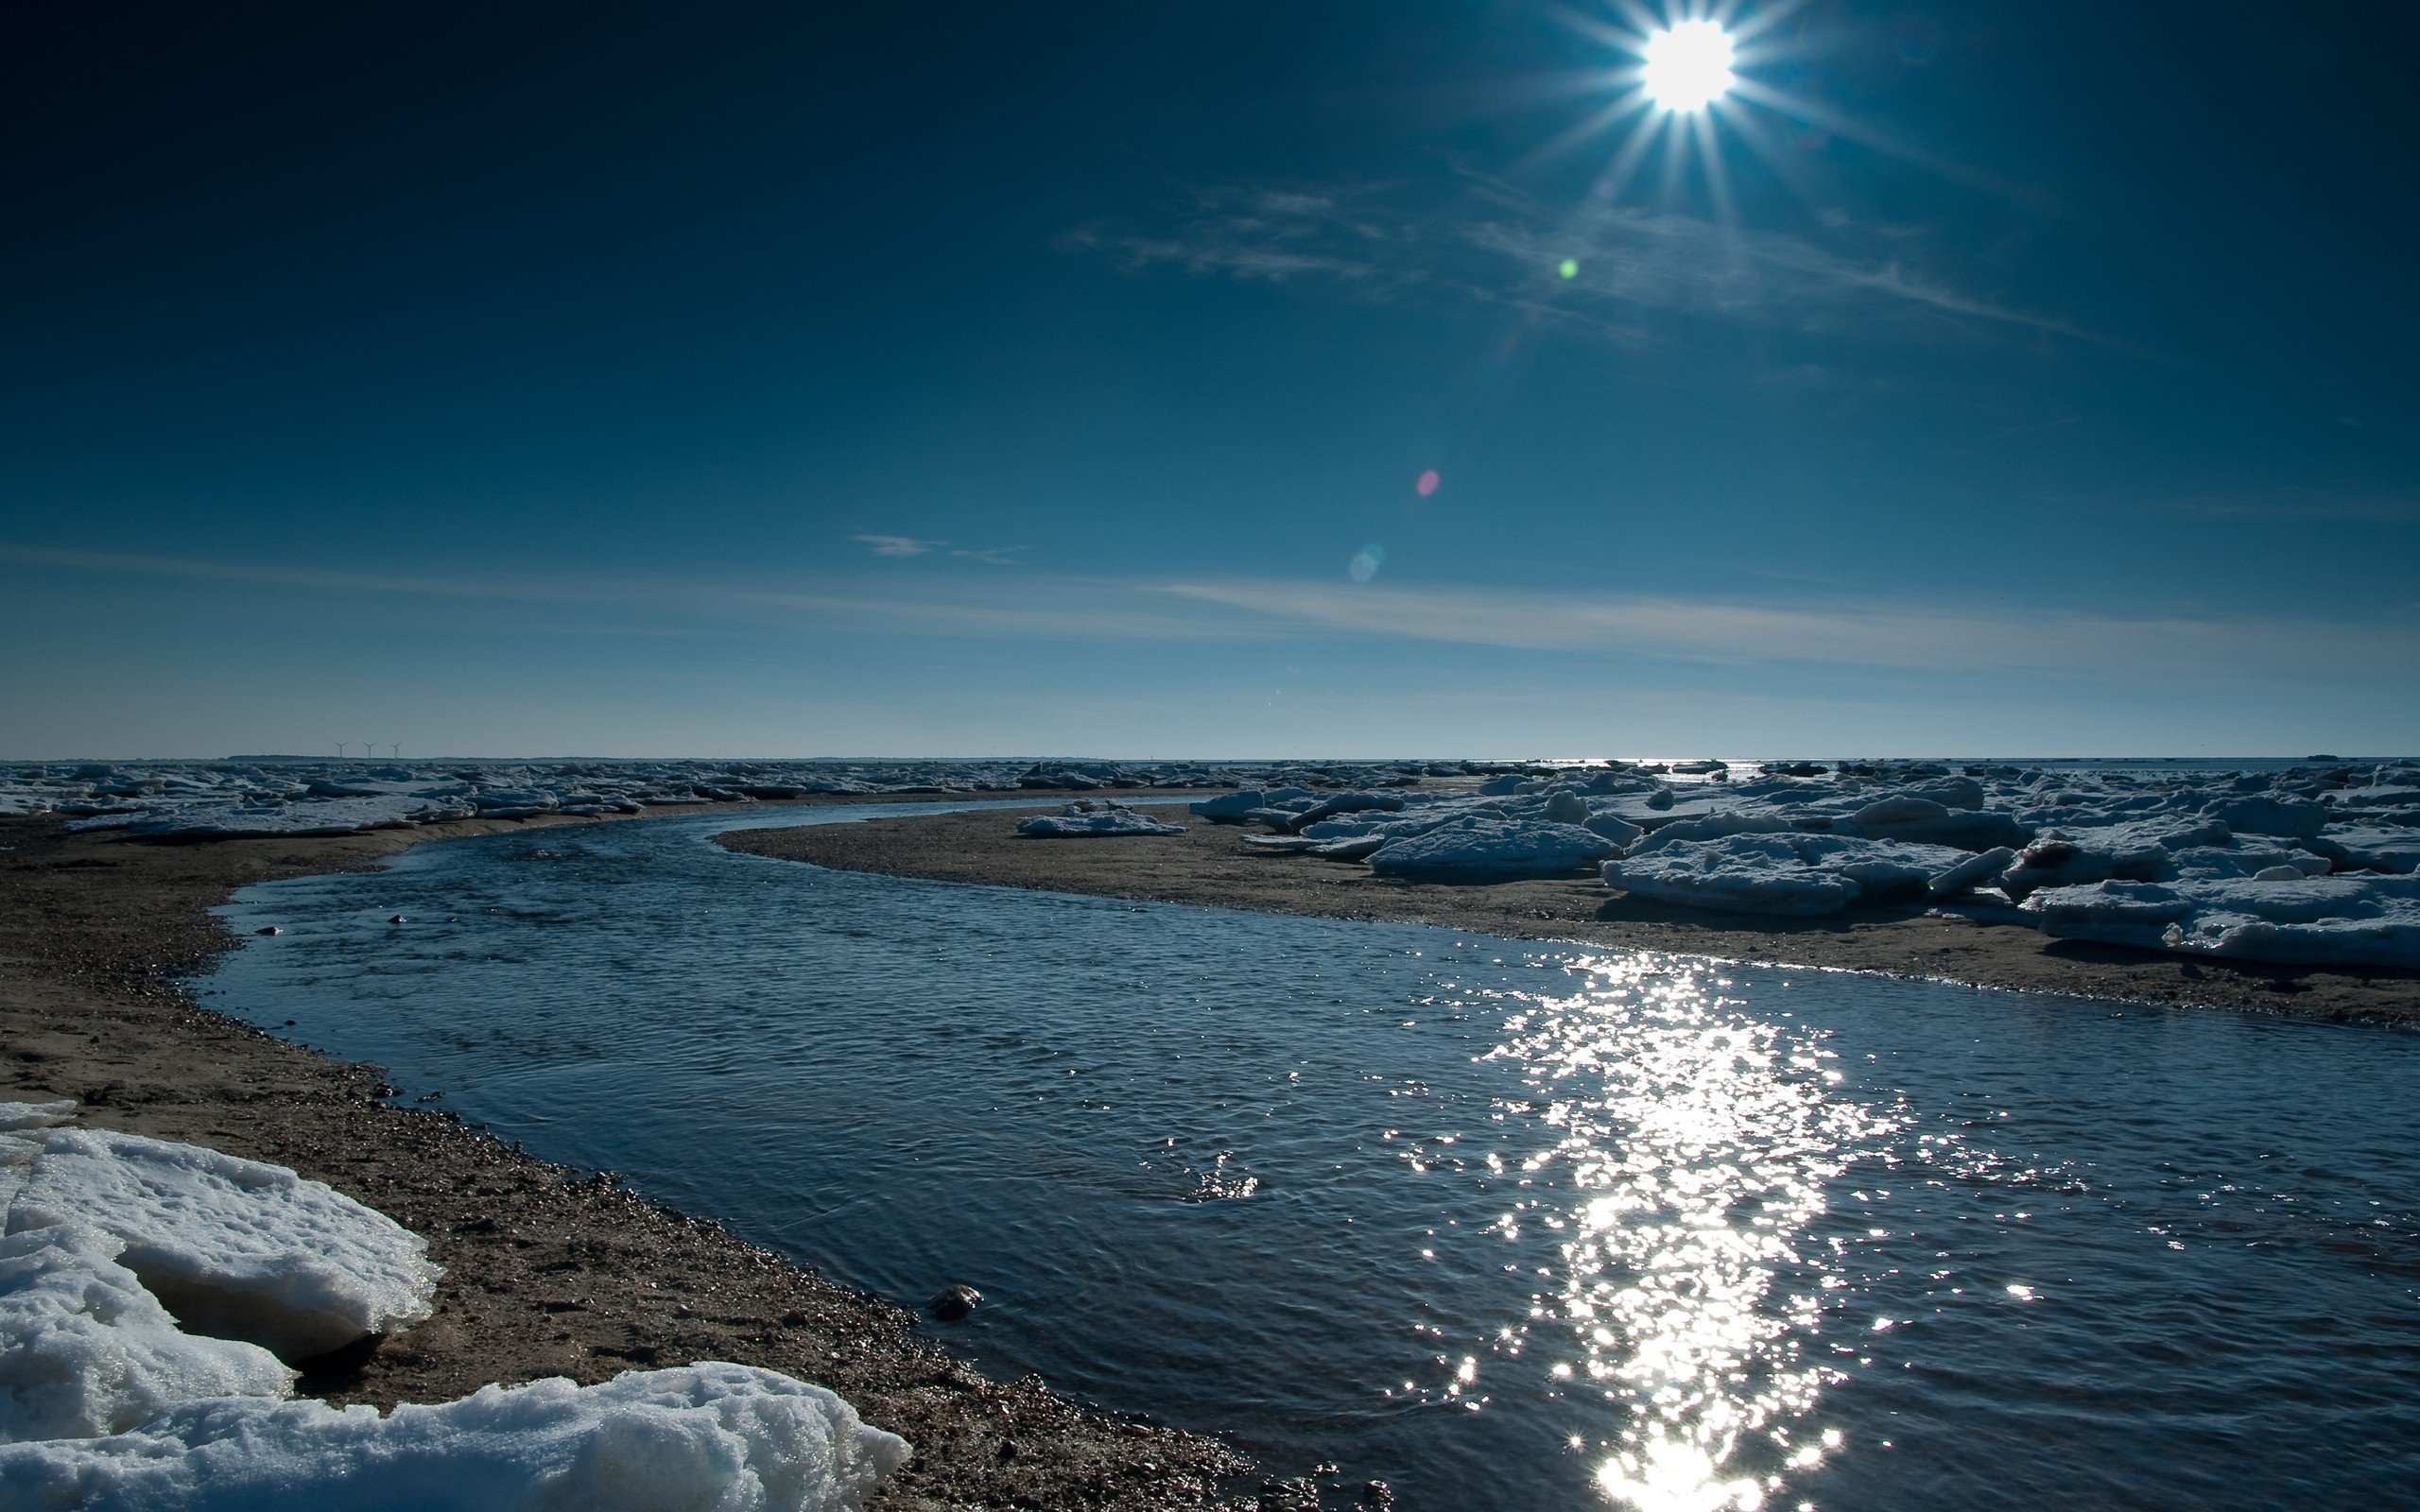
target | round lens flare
x=1689, y=67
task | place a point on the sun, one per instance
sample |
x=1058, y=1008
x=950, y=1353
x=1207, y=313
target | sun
x=1687, y=66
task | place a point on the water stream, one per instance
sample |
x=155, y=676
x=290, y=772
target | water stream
x=1505, y=1224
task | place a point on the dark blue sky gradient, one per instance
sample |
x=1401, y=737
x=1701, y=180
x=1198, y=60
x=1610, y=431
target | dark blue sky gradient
x=524, y=379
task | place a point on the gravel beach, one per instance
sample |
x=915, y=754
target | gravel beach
x=548, y=1273
x=1212, y=864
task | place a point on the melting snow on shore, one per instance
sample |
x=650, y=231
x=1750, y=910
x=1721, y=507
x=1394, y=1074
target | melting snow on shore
x=111, y=1400
x=2311, y=865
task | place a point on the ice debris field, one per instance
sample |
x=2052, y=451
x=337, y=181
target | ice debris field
x=153, y=1295
x=2311, y=865
x=279, y=795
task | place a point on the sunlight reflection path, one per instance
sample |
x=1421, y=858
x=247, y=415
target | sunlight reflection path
x=1695, y=1146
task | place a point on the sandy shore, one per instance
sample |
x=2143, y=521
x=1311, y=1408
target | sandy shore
x=1211, y=864
x=547, y=1274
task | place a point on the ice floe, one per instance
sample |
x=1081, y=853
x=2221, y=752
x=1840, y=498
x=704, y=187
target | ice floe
x=236, y=1248
x=1085, y=817
x=1476, y=848
x=711, y=1438
x=85, y=1349
x=110, y=1401
x=291, y=796
x=1792, y=874
x=1905, y=833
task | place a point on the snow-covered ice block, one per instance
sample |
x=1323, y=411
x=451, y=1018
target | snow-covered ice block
x=86, y=1350
x=1710, y=827
x=1795, y=875
x=699, y=1438
x=2366, y=921
x=1926, y=821
x=2266, y=814
x=235, y=1247
x=2134, y=851
x=1479, y=850
x=15, y=1116
x=1981, y=869
x=1229, y=808
x=1085, y=817
x=1614, y=827
x=2368, y=846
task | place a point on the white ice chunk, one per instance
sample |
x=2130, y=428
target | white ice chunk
x=85, y=1350
x=1085, y=817
x=1483, y=849
x=2266, y=814
x=2345, y=919
x=700, y=1439
x=1796, y=875
x=36, y=1115
x=234, y=1247
x=2369, y=846
x=1710, y=827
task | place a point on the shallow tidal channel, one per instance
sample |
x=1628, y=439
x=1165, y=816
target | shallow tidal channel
x=1504, y=1223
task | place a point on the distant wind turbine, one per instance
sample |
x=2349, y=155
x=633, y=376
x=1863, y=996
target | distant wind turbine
x=395, y=749
x=340, y=746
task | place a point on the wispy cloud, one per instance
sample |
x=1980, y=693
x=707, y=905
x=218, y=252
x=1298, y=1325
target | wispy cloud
x=897, y=545
x=1904, y=636
x=1705, y=630
x=996, y=556
x=911, y=546
x=1601, y=266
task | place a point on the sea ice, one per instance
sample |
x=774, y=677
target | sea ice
x=2350, y=920
x=1482, y=849
x=234, y=1247
x=85, y=1349
x=1788, y=873
x=697, y=1438
x=1084, y=817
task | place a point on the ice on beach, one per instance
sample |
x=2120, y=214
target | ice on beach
x=111, y=1400
x=1085, y=817
x=697, y=1438
x=236, y=1248
x=1790, y=874
x=2338, y=920
x=1479, y=850
x=2368, y=846
x=279, y=797
x=16, y=1117
x=85, y=1349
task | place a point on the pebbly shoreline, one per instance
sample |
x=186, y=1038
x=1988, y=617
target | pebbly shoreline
x=548, y=1273
x=1214, y=864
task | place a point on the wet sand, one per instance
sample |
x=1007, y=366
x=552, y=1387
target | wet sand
x=546, y=1273
x=1212, y=864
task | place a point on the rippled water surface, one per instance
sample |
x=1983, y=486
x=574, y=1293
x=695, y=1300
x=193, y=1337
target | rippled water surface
x=1507, y=1224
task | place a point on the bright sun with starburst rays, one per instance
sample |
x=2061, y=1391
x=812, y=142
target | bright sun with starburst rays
x=1679, y=83
x=1686, y=66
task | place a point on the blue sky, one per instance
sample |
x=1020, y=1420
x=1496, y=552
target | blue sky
x=790, y=381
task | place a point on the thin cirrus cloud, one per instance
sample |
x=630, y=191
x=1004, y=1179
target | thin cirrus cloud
x=1915, y=637
x=912, y=546
x=1487, y=243
x=1907, y=637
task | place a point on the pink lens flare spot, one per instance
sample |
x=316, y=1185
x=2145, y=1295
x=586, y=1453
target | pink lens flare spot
x=1428, y=484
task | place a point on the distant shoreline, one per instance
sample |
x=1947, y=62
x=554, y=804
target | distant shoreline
x=548, y=1273
x=1211, y=865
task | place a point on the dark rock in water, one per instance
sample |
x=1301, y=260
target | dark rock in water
x=1378, y=1494
x=268, y=929
x=955, y=1303
x=398, y=919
